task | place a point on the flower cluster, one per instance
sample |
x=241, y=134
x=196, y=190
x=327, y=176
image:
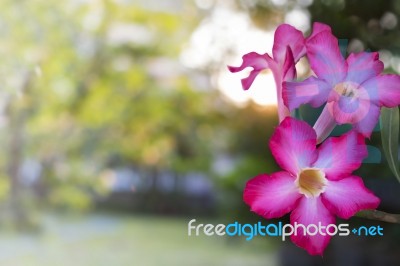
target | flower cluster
x=316, y=182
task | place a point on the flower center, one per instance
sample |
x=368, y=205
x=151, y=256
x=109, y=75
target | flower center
x=311, y=182
x=347, y=89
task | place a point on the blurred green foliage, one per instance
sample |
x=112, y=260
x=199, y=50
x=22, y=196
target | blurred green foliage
x=126, y=240
x=80, y=95
x=90, y=86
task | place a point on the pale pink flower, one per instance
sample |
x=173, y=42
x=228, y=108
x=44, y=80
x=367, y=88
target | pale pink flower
x=287, y=50
x=354, y=89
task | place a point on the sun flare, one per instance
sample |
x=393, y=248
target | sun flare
x=262, y=92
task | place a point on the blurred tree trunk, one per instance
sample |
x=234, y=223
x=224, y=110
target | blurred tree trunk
x=17, y=112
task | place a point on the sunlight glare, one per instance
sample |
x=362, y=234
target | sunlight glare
x=262, y=91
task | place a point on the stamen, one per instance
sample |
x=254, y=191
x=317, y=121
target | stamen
x=311, y=182
x=347, y=89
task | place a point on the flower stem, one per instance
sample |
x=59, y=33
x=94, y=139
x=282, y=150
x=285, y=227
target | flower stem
x=379, y=216
x=324, y=125
x=283, y=111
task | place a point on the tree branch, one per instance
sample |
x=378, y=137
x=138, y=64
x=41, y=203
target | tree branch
x=379, y=216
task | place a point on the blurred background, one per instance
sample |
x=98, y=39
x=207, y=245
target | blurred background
x=119, y=123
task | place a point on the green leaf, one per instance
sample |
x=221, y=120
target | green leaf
x=390, y=137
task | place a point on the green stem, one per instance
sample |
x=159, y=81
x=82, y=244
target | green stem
x=379, y=216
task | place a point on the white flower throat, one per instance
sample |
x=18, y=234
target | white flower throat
x=347, y=89
x=311, y=182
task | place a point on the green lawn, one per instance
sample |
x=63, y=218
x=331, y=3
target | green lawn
x=128, y=240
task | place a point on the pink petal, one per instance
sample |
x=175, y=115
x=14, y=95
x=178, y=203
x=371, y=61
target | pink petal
x=384, y=90
x=325, y=58
x=257, y=62
x=293, y=145
x=348, y=196
x=349, y=110
x=319, y=27
x=287, y=72
x=287, y=35
x=313, y=91
x=366, y=125
x=311, y=211
x=325, y=123
x=363, y=66
x=289, y=66
x=338, y=157
x=271, y=196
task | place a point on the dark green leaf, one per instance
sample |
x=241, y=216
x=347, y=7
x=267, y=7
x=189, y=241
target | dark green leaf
x=390, y=137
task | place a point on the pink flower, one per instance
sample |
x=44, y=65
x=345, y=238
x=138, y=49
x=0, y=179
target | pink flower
x=354, y=89
x=316, y=183
x=287, y=50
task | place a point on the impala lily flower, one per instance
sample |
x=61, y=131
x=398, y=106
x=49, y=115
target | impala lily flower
x=316, y=183
x=287, y=50
x=354, y=89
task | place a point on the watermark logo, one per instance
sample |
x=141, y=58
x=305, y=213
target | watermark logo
x=279, y=230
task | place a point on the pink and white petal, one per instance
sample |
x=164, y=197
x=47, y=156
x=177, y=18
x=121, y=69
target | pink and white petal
x=293, y=145
x=338, y=157
x=363, y=66
x=367, y=124
x=325, y=58
x=311, y=211
x=348, y=110
x=384, y=90
x=348, y=196
x=271, y=196
x=289, y=66
x=325, y=123
x=311, y=91
x=257, y=62
x=319, y=27
x=287, y=35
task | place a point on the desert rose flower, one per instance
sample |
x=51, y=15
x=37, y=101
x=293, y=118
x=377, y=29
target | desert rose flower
x=354, y=89
x=316, y=184
x=288, y=48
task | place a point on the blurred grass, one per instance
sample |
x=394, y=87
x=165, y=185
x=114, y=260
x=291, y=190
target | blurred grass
x=128, y=240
